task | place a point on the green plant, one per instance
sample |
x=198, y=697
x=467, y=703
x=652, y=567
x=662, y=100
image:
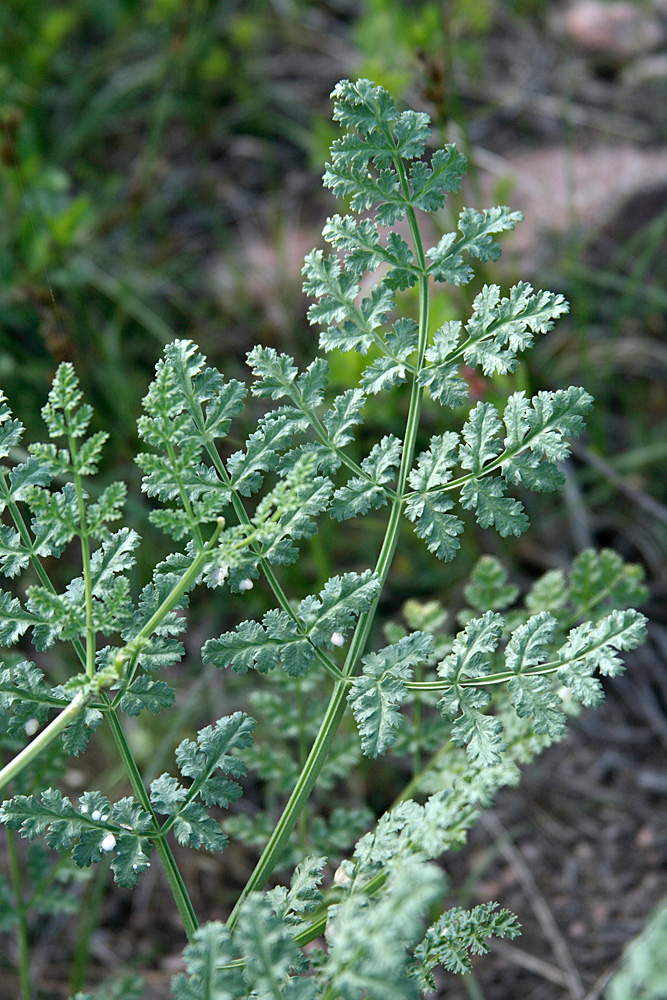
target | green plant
x=643, y=972
x=477, y=703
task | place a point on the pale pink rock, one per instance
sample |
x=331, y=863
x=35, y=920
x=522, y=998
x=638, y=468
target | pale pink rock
x=617, y=29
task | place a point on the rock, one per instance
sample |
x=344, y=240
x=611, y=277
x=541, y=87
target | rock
x=615, y=31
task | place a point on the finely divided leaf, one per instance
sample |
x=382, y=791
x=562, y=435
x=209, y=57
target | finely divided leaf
x=593, y=646
x=145, y=694
x=90, y=833
x=471, y=657
x=500, y=327
x=427, y=509
x=486, y=497
x=431, y=184
x=480, y=434
x=477, y=230
x=457, y=935
x=487, y=588
x=603, y=579
x=377, y=693
x=291, y=641
x=206, y=958
x=359, y=495
x=441, y=374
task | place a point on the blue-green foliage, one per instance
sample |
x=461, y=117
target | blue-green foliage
x=292, y=639
x=482, y=701
x=124, y=830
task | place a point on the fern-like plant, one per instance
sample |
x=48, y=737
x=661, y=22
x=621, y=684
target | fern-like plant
x=474, y=703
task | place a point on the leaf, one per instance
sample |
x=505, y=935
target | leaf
x=263, y=646
x=441, y=374
x=485, y=496
x=60, y=412
x=193, y=827
x=288, y=511
x=23, y=477
x=477, y=229
x=342, y=599
x=359, y=495
x=90, y=833
x=199, y=760
x=212, y=751
x=471, y=658
x=275, y=374
x=246, y=469
x=434, y=525
x=206, y=958
x=434, y=466
x=14, y=620
x=108, y=507
x=115, y=555
x=488, y=588
x=14, y=557
x=500, y=327
x=480, y=434
x=459, y=933
x=427, y=509
x=145, y=694
x=602, y=579
x=532, y=695
x=549, y=593
x=369, y=936
x=79, y=732
x=267, y=946
x=431, y=184
x=55, y=518
x=344, y=414
x=365, y=191
x=336, y=290
x=377, y=693
x=25, y=696
x=364, y=251
x=593, y=646
x=363, y=106
x=11, y=431
x=383, y=374
x=543, y=423
x=303, y=895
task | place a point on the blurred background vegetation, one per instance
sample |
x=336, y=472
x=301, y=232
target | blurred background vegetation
x=160, y=167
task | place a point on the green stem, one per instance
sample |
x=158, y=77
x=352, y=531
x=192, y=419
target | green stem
x=21, y=917
x=85, y=560
x=267, y=568
x=187, y=506
x=176, y=884
x=85, y=696
x=303, y=756
x=337, y=702
x=45, y=738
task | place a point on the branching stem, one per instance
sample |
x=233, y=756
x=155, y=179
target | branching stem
x=337, y=702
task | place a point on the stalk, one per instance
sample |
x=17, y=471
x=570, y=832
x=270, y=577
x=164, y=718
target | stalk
x=85, y=560
x=337, y=702
x=176, y=883
x=45, y=738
